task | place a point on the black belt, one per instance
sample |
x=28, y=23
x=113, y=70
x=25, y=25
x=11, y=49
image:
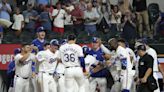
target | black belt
x=23, y=77
x=71, y=66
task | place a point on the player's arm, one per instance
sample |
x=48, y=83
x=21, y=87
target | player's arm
x=23, y=59
x=82, y=63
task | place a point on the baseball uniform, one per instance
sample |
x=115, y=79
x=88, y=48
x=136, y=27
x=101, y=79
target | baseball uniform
x=48, y=61
x=70, y=54
x=23, y=73
x=153, y=53
x=126, y=68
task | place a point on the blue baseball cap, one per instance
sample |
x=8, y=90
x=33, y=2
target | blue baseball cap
x=40, y=29
x=54, y=42
x=94, y=39
x=17, y=51
x=63, y=41
x=86, y=49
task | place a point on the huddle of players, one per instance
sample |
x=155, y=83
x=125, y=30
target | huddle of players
x=72, y=68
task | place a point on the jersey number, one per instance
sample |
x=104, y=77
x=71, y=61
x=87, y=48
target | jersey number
x=69, y=57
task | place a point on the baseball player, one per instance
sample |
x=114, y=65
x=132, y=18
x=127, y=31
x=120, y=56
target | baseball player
x=153, y=53
x=73, y=59
x=40, y=40
x=89, y=60
x=23, y=72
x=11, y=71
x=98, y=77
x=48, y=60
x=133, y=60
x=126, y=66
x=60, y=69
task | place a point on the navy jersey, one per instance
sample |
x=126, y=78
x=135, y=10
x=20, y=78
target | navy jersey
x=11, y=72
x=97, y=54
x=38, y=44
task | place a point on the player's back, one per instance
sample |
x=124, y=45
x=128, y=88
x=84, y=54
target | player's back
x=70, y=54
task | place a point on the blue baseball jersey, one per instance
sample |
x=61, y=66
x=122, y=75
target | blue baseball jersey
x=11, y=72
x=97, y=54
x=39, y=44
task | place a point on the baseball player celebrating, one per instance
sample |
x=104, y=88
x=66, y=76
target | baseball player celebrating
x=73, y=59
x=23, y=72
x=126, y=65
x=133, y=60
x=48, y=60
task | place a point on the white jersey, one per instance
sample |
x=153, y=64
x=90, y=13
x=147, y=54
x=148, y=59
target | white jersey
x=153, y=53
x=124, y=57
x=24, y=69
x=48, y=61
x=70, y=54
x=89, y=60
x=132, y=54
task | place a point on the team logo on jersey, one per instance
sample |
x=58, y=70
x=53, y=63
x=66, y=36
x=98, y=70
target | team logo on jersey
x=52, y=60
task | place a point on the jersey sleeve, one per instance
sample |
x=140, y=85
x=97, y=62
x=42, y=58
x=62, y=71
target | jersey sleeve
x=149, y=62
x=81, y=54
x=17, y=58
x=40, y=56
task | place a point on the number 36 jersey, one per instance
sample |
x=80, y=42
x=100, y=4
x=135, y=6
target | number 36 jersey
x=70, y=53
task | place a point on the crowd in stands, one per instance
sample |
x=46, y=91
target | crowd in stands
x=85, y=18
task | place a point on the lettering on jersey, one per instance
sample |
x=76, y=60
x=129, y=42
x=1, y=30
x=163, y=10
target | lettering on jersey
x=27, y=62
x=70, y=49
x=52, y=60
x=124, y=63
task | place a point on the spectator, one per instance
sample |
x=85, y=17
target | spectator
x=58, y=15
x=160, y=26
x=104, y=10
x=91, y=16
x=45, y=20
x=40, y=40
x=77, y=17
x=124, y=5
x=31, y=16
x=82, y=5
x=21, y=2
x=140, y=6
x=18, y=22
x=129, y=27
x=5, y=10
x=68, y=21
x=1, y=34
x=115, y=19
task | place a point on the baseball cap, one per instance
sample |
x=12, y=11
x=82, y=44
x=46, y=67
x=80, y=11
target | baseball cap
x=141, y=47
x=71, y=37
x=54, y=42
x=40, y=29
x=63, y=41
x=94, y=39
x=17, y=51
x=85, y=49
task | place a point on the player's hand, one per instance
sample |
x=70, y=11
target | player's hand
x=144, y=80
x=33, y=75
